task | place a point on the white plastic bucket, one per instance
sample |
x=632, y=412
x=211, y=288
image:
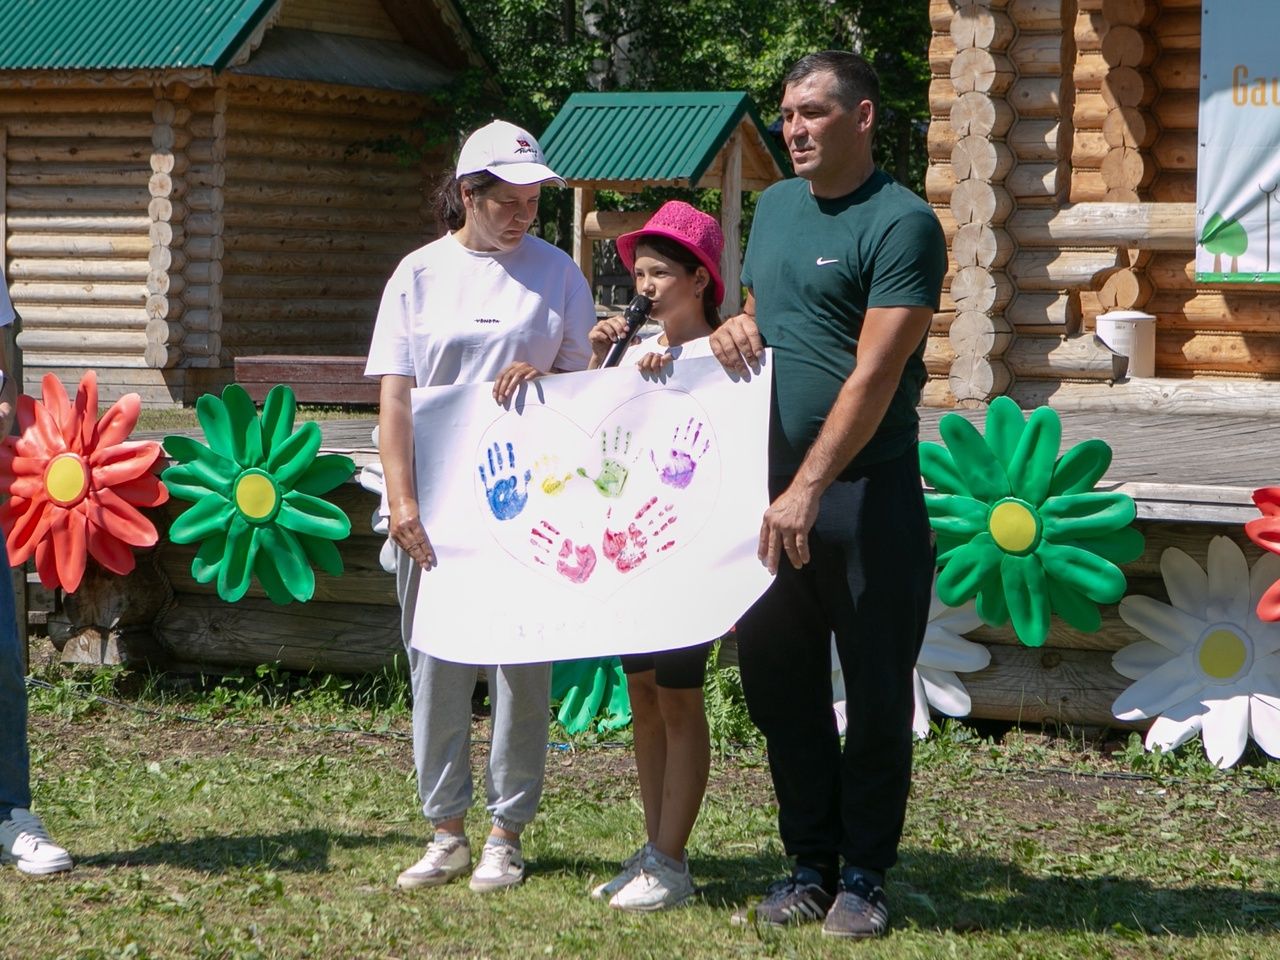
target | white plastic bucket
x=1132, y=334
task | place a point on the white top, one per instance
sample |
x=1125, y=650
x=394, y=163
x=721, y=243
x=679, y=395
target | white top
x=454, y=315
x=7, y=316
x=646, y=341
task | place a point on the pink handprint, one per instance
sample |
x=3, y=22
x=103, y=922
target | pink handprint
x=627, y=549
x=683, y=461
x=575, y=564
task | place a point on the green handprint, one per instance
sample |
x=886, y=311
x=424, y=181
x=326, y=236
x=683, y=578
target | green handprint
x=613, y=468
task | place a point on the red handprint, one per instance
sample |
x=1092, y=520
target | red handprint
x=575, y=564
x=627, y=549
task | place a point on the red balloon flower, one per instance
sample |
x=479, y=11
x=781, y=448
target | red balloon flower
x=75, y=484
x=1265, y=532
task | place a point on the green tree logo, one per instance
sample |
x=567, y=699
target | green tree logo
x=1224, y=236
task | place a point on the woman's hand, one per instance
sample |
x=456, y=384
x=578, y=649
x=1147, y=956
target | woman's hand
x=509, y=380
x=603, y=336
x=410, y=536
x=654, y=364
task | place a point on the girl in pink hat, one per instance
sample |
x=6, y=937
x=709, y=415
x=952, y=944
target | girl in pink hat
x=675, y=260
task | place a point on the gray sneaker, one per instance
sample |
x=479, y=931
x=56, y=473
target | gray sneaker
x=860, y=911
x=447, y=857
x=787, y=902
x=655, y=887
x=630, y=867
x=500, y=866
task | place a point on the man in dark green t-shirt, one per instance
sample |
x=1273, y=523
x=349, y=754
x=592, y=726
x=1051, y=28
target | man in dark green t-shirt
x=844, y=271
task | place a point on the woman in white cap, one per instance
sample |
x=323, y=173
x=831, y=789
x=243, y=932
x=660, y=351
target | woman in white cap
x=675, y=259
x=485, y=302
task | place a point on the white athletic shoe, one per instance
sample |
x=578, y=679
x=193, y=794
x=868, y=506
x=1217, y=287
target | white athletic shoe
x=25, y=843
x=655, y=887
x=630, y=867
x=500, y=866
x=448, y=856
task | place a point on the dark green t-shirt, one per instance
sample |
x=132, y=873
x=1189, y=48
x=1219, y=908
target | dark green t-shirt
x=815, y=266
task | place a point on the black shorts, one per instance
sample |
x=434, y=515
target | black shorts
x=682, y=669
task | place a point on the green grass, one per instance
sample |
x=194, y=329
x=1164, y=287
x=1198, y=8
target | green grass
x=173, y=418
x=272, y=823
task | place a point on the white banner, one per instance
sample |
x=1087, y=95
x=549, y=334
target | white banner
x=1238, y=168
x=603, y=513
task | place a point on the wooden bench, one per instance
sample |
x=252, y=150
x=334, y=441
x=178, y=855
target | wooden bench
x=314, y=379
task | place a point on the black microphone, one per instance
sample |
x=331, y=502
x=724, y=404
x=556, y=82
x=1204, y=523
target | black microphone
x=635, y=315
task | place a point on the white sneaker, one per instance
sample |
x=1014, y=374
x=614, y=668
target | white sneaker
x=655, y=887
x=448, y=856
x=25, y=842
x=630, y=867
x=500, y=866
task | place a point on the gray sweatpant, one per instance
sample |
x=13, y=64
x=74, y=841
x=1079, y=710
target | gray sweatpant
x=519, y=696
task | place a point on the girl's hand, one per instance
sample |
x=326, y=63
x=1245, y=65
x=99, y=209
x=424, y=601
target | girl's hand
x=406, y=530
x=654, y=364
x=504, y=388
x=603, y=336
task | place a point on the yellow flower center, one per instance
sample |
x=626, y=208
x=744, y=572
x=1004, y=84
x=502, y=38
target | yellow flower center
x=256, y=495
x=66, y=480
x=1223, y=653
x=1013, y=526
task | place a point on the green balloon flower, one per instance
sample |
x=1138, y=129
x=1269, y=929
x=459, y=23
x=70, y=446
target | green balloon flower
x=591, y=689
x=1021, y=528
x=256, y=490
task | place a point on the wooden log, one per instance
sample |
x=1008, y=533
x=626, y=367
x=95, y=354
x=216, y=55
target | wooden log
x=117, y=100
x=1076, y=358
x=1060, y=270
x=1180, y=351
x=978, y=245
x=1176, y=151
x=1127, y=87
x=978, y=115
x=1125, y=289
x=85, y=317
x=942, y=94
x=161, y=307
x=204, y=248
x=105, y=199
x=979, y=158
x=1037, y=97
x=89, y=341
x=942, y=50
x=242, y=147
x=1088, y=72
x=248, y=287
x=339, y=241
x=1121, y=195
x=937, y=393
x=76, y=245
x=201, y=345
x=1088, y=149
x=165, y=258
x=402, y=112
x=1177, y=110
x=980, y=334
x=1174, y=187
x=322, y=312
x=981, y=290
x=203, y=272
x=1113, y=635
x=1057, y=310
x=309, y=126
x=981, y=71
x=164, y=283
x=66, y=268
x=1033, y=15
x=940, y=14
x=1035, y=141
x=938, y=355
x=940, y=139
x=1196, y=308
x=1128, y=127
x=976, y=25
x=85, y=291
x=1037, y=54
x=58, y=150
x=271, y=216
x=1090, y=111
x=51, y=221
x=81, y=126
x=1177, y=29
x=75, y=175
x=1033, y=183
x=166, y=234
x=974, y=201
x=1089, y=30
x=1178, y=70
x=164, y=209
x=164, y=332
x=949, y=226
x=305, y=262
x=202, y=321
x=1048, y=686
x=979, y=379
x=1127, y=169
x=1134, y=13
x=1087, y=186
x=1127, y=46
x=1260, y=398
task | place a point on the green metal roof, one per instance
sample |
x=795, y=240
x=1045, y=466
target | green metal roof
x=652, y=137
x=125, y=34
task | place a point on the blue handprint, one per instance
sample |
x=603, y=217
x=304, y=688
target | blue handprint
x=507, y=496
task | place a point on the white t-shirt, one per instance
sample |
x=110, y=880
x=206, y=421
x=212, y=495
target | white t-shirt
x=646, y=341
x=454, y=315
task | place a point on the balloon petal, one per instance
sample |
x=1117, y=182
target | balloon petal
x=86, y=413
x=1079, y=516
x=324, y=555
x=187, y=482
x=290, y=560
x=215, y=421
x=1026, y=593
x=1074, y=607
x=208, y=559
x=1170, y=732
x=1031, y=468
x=29, y=529
x=246, y=429
x=1268, y=500
x=205, y=518
x=1264, y=724
x=939, y=470
x=120, y=519
x=47, y=565
x=1173, y=629
x=1264, y=573
x=70, y=548
x=236, y=571
x=264, y=569
x=945, y=692
x=290, y=459
x=58, y=407
x=45, y=432
x=1225, y=730
x=956, y=515
x=1265, y=532
x=1159, y=690
x=305, y=514
x=119, y=420
x=990, y=602
x=965, y=570
x=146, y=491
x=1080, y=468
x=278, y=411
x=1004, y=428
x=1269, y=604
x=1138, y=659
x=324, y=474
x=123, y=462
x=942, y=651
x=983, y=474
x=1098, y=579
x=1228, y=572
x=113, y=554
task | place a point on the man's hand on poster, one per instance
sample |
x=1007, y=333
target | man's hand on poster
x=509, y=380
x=737, y=344
x=507, y=495
x=406, y=530
x=786, y=527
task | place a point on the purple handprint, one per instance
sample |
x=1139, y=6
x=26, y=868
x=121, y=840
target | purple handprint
x=683, y=461
x=574, y=563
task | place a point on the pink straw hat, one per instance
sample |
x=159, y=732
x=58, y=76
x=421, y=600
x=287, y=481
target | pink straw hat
x=691, y=228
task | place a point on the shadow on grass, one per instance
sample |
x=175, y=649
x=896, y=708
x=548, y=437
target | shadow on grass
x=296, y=851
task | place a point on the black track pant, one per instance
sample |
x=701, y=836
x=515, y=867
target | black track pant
x=869, y=581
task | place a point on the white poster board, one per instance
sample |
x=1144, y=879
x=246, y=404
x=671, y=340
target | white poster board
x=602, y=513
x=1238, y=163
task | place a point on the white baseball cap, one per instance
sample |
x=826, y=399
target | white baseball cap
x=507, y=152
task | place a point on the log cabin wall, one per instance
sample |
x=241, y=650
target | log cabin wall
x=314, y=218
x=352, y=18
x=77, y=236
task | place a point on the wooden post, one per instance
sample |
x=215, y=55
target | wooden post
x=731, y=226
x=584, y=201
